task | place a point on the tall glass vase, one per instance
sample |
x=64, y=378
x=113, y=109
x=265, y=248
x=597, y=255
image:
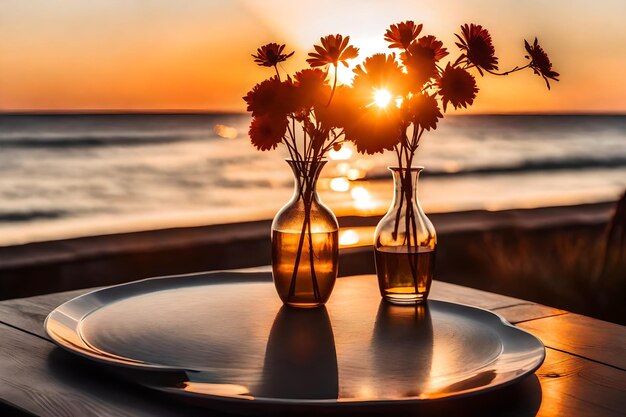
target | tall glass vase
x=305, y=247
x=405, y=243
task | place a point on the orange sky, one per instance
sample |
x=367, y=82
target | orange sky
x=113, y=54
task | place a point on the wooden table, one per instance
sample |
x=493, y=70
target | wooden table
x=584, y=373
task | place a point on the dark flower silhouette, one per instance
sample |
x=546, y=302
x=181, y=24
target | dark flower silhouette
x=539, y=62
x=270, y=55
x=437, y=46
x=267, y=131
x=340, y=112
x=478, y=47
x=401, y=35
x=311, y=87
x=457, y=86
x=420, y=63
x=271, y=96
x=389, y=93
x=422, y=110
x=334, y=50
x=375, y=129
x=379, y=71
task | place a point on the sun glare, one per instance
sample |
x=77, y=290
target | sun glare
x=382, y=98
x=344, y=75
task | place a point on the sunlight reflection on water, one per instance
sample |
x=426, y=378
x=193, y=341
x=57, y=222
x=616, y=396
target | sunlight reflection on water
x=224, y=131
x=345, y=152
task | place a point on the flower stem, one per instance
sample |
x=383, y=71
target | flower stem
x=411, y=227
x=508, y=72
x=292, y=285
x=316, y=290
x=306, y=181
x=332, y=93
x=405, y=154
x=394, y=234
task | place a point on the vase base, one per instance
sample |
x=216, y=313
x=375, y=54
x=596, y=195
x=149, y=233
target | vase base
x=304, y=305
x=405, y=299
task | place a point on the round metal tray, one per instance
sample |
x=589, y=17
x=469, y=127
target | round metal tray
x=226, y=338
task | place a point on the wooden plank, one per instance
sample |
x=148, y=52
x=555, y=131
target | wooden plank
x=590, y=338
x=527, y=311
x=576, y=387
x=46, y=381
x=446, y=291
x=30, y=313
x=512, y=309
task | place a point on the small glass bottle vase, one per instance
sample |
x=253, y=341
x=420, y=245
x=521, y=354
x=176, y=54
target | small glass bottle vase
x=405, y=243
x=305, y=244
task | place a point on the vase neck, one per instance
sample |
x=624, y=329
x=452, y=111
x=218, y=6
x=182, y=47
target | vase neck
x=405, y=184
x=306, y=174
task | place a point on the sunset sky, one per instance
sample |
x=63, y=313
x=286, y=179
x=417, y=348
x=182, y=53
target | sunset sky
x=155, y=55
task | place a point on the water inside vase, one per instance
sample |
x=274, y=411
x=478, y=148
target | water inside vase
x=405, y=273
x=315, y=278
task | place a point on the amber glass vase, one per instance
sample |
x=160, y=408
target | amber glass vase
x=405, y=244
x=305, y=247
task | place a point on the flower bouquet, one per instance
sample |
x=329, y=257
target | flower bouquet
x=294, y=112
x=394, y=100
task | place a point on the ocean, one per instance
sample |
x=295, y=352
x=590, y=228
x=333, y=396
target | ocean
x=74, y=175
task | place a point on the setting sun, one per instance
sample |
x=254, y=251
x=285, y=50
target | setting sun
x=382, y=98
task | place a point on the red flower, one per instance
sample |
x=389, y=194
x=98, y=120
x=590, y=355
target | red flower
x=423, y=111
x=270, y=97
x=420, y=63
x=437, y=46
x=457, y=86
x=377, y=72
x=478, y=47
x=401, y=35
x=341, y=111
x=270, y=55
x=375, y=129
x=311, y=87
x=267, y=131
x=334, y=49
x=540, y=63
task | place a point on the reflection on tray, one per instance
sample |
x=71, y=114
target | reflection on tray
x=402, y=346
x=300, y=359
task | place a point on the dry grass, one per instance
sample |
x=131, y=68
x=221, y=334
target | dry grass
x=579, y=269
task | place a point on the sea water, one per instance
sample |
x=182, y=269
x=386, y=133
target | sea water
x=73, y=175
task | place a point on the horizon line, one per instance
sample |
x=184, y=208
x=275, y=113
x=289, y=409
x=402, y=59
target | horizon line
x=147, y=112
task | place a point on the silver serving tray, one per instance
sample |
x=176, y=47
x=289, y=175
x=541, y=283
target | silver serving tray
x=226, y=339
